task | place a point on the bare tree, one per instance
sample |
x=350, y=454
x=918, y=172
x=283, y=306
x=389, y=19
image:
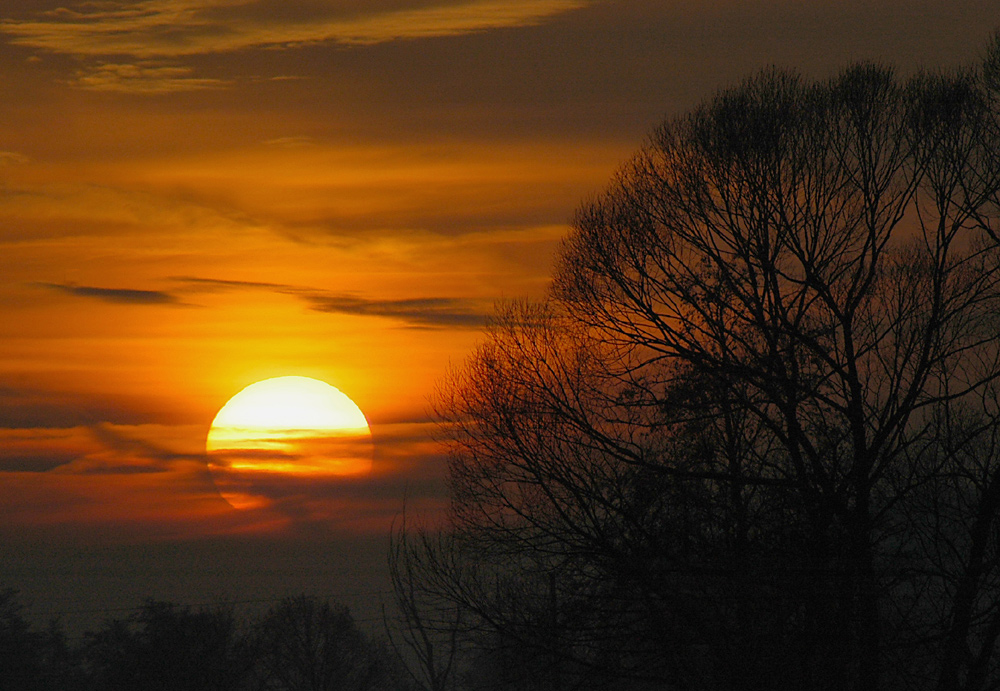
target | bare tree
x=427, y=631
x=304, y=644
x=600, y=543
x=825, y=254
x=164, y=646
x=751, y=439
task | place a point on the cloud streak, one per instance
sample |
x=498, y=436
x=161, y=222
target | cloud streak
x=12, y=158
x=427, y=312
x=116, y=475
x=128, y=296
x=149, y=78
x=149, y=32
x=432, y=312
x=175, y=28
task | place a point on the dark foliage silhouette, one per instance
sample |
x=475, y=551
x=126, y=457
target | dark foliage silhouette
x=167, y=647
x=307, y=645
x=301, y=644
x=33, y=660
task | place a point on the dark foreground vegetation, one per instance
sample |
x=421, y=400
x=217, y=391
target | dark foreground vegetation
x=751, y=440
x=301, y=644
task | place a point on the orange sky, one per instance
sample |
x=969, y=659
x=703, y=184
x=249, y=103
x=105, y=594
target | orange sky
x=198, y=194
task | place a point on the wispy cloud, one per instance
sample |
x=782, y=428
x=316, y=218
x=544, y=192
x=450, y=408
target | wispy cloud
x=426, y=312
x=454, y=312
x=144, y=455
x=35, y=211
x=27, y=407
x=152, y=34
x=148, y=78
x=216, y=284
x=12, y=158
x=132, y=296
x=173, y=28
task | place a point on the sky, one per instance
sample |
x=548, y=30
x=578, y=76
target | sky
x=199, y=194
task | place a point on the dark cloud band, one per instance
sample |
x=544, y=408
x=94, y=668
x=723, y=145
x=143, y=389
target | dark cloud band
x=423, y=312
x=131, y=296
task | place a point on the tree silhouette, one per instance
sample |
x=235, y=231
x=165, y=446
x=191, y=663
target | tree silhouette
x=428, y=633
x=33, y=660
x=164, y=647
x=299, y=644
x=750, y=441
x=307, y=645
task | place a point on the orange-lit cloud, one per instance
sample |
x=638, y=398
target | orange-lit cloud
x=12, y=158
x=157, y=29
x=455, y=312
x=108, y=475
x=152, y=481
x=36, y=210
x=169, y=28
x=452, y=312
x=144, y=77
x=303, y=190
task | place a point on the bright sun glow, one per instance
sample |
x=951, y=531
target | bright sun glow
x=275, y=434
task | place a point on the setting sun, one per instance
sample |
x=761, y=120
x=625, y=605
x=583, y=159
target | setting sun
x=276, y=433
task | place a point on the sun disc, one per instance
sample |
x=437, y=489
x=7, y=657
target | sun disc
x=281, y=435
